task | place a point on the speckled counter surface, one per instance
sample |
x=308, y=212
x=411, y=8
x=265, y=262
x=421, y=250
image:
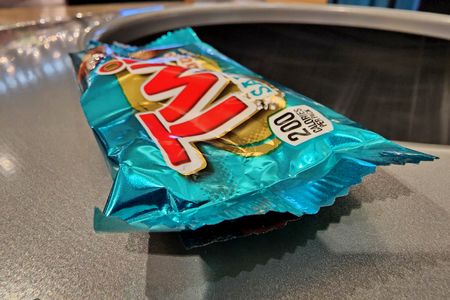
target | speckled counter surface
x=389, y=239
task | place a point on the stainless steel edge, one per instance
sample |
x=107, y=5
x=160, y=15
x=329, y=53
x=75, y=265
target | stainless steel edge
x=428, y=24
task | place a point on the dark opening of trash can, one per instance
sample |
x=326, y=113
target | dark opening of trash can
x=393, y=83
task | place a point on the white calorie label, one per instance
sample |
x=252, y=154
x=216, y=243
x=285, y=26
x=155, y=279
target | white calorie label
x=298, y=124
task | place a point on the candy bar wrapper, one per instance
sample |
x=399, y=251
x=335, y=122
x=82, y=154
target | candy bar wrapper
x=193, y=138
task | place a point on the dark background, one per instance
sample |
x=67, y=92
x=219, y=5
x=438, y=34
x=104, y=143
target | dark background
x=392, y=83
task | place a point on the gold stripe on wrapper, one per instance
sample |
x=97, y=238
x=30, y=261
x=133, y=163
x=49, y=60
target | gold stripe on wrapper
x=248, y=151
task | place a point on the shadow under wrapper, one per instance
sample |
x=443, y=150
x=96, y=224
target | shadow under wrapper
x=292, y=260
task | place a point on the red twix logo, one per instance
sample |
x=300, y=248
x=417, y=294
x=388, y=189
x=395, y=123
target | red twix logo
x=192, y=112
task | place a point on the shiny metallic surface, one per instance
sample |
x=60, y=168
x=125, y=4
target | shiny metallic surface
x=138, y=25
x=390, y=238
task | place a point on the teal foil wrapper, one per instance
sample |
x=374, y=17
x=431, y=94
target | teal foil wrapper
x=193, y=138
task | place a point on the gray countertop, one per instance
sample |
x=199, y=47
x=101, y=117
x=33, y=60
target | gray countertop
x=390, y=238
